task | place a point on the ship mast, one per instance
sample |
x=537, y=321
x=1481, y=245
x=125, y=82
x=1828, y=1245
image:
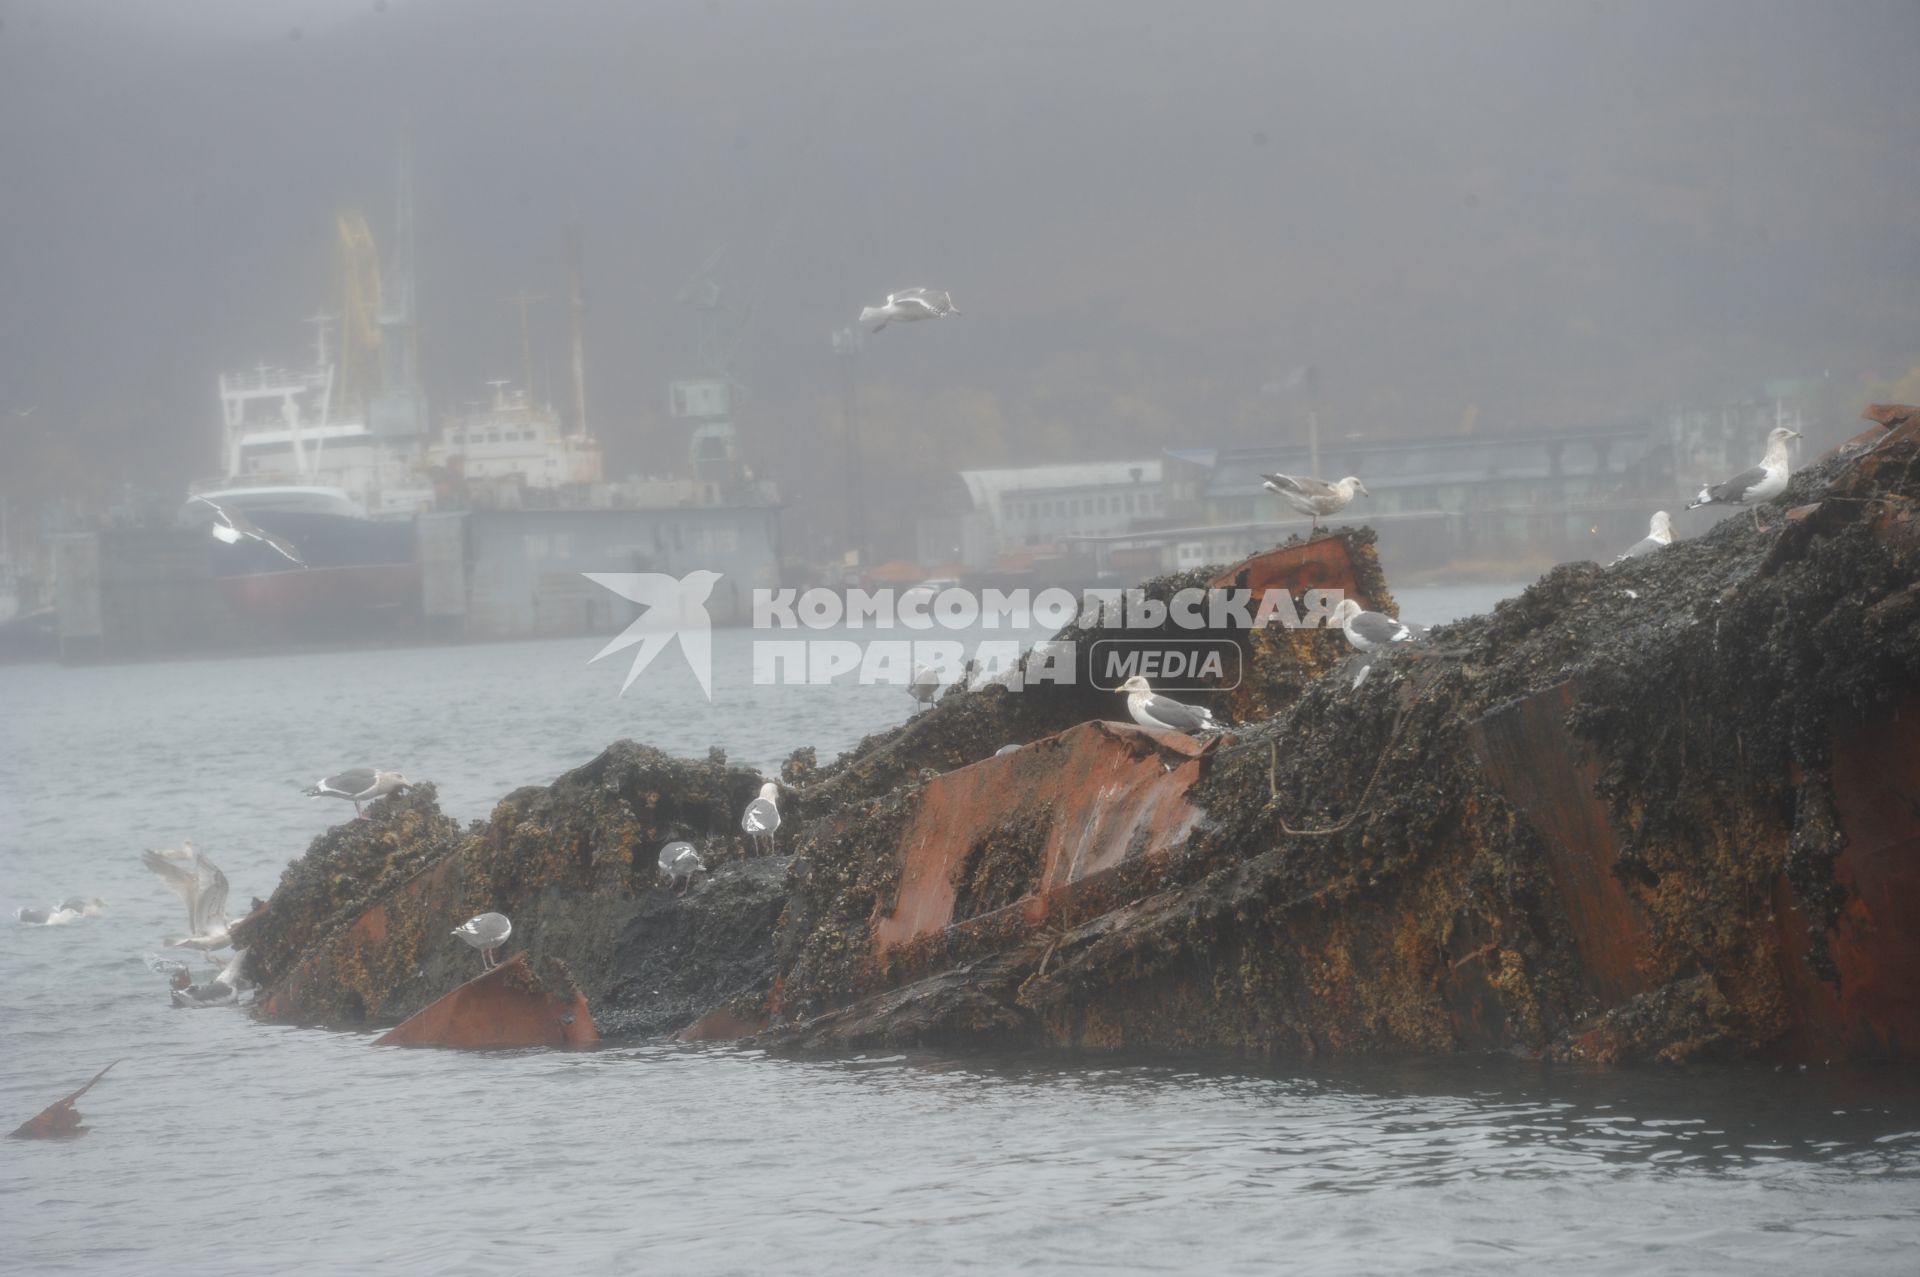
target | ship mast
x=577, y=308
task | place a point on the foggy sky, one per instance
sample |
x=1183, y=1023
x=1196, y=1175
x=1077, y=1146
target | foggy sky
x=1553, y=215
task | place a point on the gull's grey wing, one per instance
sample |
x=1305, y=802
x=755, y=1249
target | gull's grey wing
x=185, y=882
x=1735, y=490
x=905, y=293
x=1302, y=485
x=209, y=909
x=1180, y=717
x=353, y=781
x=1645, y=545
x=1377, y=627
x=761, y=817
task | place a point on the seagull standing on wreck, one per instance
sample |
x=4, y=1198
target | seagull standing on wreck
x=910, y=304
x=233, y=527
x=1763, y=482
x=923, y=686
x=1150, y=709
x=359, y=785
x=680, y=862
x=485, y=932
x=762, y=816
x=1659, y=537
x=1315, y=498
x=1373, y=631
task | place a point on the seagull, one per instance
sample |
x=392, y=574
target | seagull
x=1152, y=710
x=221, y=991
x=28, y=411
x=1315, y=498
x=1763, y=482
x=1373, y=631
x=910, y=304
x=360, y=785
x=923, y=686
x=485, y=932
x=204, y=889
x=234, y=527
x=1004, y=750
x=1659, y=537
x=762, y=815
x=680, y=862
x=72, y=909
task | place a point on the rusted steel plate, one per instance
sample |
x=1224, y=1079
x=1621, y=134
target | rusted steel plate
x=1322, y=564
x=504, y=1007
x=1537, y=766
x=1064, y=807
x=1874, y=1012
x=59, y=1120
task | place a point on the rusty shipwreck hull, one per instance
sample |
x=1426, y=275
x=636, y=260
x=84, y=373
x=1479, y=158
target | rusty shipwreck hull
x=1545, y=869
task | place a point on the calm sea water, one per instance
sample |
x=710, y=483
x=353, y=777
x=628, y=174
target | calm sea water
x=225, y=1146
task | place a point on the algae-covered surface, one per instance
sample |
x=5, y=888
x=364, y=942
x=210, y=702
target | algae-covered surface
x=1656, y=879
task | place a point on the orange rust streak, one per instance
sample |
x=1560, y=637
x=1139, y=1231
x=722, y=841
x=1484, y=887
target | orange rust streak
x=1104, y=786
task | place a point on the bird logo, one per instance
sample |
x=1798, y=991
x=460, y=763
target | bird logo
x=674, y=607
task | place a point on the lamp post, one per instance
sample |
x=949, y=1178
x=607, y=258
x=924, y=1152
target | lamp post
x=846, y=344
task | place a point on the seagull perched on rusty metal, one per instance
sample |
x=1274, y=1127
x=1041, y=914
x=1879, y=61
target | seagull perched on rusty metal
x=1315, y=498
x=1150, y=709
x=1759, y=483
x=1373, y=631
x=485, y=932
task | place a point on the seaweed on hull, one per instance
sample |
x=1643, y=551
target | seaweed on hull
x=1664, y=810
x=1600, y=822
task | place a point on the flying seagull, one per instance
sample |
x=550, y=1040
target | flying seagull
x=203, y=888
x=1149, y=709
x=1373, y=631
x=28, y=411
x=762, y=815
x=233, y=527
x=680, y=862
x=221, y=991
x=1763, y=482
x=360, y=785
x=485, y=932
x=1659, y=537
x=910, y=304
x=1315, y=498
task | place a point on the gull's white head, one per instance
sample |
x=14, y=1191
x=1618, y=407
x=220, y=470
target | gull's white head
x=1346, y=610
x=1778, y=436
x=1661, y=526
x=1352, y=484
x=1137, y=683
x=771, y=791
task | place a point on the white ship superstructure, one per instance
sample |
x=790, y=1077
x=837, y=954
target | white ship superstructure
x=279, y=429
x=509, y=443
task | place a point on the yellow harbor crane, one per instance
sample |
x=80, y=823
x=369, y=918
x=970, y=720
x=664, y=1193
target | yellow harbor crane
x=357, y=287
